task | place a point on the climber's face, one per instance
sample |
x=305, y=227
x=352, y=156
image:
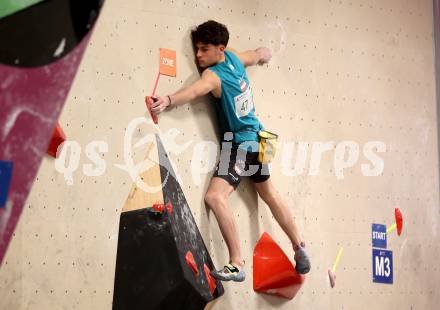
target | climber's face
x=208, y=54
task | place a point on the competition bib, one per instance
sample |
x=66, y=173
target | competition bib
x=244, y=103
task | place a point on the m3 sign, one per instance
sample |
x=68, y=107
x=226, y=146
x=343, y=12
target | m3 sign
x=382, y=259
x=382, y=266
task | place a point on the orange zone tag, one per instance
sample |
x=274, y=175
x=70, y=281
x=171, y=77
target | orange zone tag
x=167, y=62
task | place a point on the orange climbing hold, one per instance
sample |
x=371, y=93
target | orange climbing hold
x=274, y=273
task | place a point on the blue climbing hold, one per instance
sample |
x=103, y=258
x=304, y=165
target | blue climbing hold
x=5, y=180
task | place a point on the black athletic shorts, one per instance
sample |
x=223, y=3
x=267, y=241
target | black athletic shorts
x=241, y=164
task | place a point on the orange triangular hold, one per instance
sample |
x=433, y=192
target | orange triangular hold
x=273, y=271
x=58, y=137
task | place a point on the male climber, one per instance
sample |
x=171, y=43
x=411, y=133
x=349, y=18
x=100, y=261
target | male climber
x=224, y=76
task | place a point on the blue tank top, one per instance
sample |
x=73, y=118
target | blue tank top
x=235, y=107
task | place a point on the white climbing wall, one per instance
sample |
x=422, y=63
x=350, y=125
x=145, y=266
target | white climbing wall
x=343, y=74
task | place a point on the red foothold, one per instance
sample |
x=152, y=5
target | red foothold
x=211, y=280
x=58, y=137
x=169, y=207
x=159, y=207
x=399, y=220
x=191, y=263
x=273, y=272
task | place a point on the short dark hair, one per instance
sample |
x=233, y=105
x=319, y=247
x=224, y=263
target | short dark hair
x=210, y=32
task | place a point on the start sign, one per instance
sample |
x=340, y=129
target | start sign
x=379, y=236
x=382, y=266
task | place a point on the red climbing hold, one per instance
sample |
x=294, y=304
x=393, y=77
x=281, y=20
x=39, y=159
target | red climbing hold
x=191, y=263
x=159, y=207
x=211, y=280
x=58, y=137
x=169, y=207
x=149, y=102
x=399, y=220
x=273, y=272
